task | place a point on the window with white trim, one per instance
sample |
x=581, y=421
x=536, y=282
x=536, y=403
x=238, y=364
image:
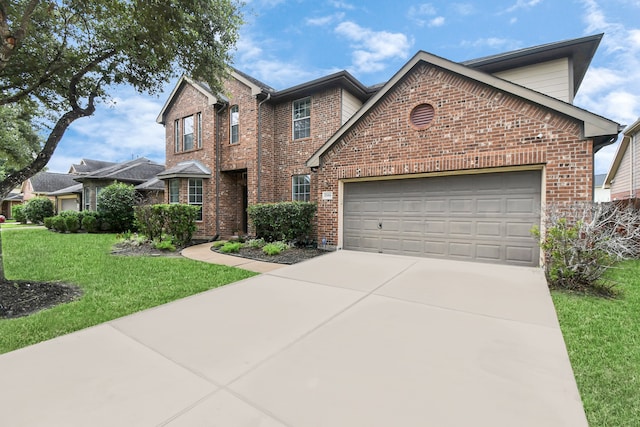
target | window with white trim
x=176, y=136
x=187, y=133
x=234, y=125
x=174, y=191
x=301, y=188
x=87, y=198
x=195, y=195
x=199, y=133
x=302, y=118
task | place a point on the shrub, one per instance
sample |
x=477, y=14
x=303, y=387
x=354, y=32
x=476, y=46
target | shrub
x=256, y=243
x=582, y=241
x=71, y=221
x=36, y=210
x=178, y=221
x=18, y=214
x=90, y=222
x=48, y=222
x=231, y=247
x=164, y=245
x=274, y=248
x=219, y=244
x=288, y=221
x=115, y=205
x=59, y=224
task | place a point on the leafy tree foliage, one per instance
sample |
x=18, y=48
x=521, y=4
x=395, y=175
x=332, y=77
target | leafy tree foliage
x=19, y=139
x=36, y=210
x=65, y=55
x=115, y=206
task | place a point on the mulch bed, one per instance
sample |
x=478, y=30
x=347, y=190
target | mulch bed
x=20, y=297
x=288, y=257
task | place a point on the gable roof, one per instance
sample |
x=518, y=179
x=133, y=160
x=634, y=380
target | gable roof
x=47, y=182
x=601, y=129
x=187, y=169
x=580, y=50
x=73, y=189
x=201, y=87
x=134, y=171
x=629, y=131
x=153, y=184
x=89, y=165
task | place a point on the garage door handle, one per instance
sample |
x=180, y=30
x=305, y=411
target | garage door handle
x=379, y=226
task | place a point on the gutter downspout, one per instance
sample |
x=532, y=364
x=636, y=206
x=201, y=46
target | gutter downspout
x=220, y=111
x=260, y=145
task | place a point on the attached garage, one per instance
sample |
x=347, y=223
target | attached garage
x=475, y=217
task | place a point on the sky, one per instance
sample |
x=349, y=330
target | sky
x=287, y=42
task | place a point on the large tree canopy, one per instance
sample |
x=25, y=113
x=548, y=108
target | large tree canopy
x=64, y=55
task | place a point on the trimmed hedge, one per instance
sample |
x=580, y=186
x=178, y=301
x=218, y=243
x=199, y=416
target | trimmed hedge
x=115, y=205
x=36, y=210
x=286, y=221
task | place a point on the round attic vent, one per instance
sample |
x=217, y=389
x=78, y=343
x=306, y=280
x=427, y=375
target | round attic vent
x=421, y=116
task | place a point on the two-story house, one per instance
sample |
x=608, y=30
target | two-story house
x=445, y=159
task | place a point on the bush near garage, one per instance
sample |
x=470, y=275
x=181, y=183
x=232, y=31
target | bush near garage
x=286, y=221
x=37, y=209
x=583, y=240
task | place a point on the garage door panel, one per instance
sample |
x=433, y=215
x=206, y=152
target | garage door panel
x=489, y=229
x=461, y=228
x=484, y=217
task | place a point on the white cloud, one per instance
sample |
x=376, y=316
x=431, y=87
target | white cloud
x=321, y=21
x=493, y=43
x=436, y=22
x=611, y=90
x=522, y=4
x=373, y=48
x=463, y=9
x=341, y=5
x=419, y=13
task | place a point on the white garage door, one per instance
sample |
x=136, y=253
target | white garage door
x=481, y=217
x=69, y=205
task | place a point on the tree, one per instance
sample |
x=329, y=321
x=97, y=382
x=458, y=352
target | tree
x=19, y=139
x=65, y=55
x=115, y=206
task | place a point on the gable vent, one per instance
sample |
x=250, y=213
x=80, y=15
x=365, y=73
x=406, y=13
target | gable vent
x=422, y=116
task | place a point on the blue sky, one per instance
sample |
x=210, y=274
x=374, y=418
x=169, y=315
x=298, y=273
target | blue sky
x=287, y=42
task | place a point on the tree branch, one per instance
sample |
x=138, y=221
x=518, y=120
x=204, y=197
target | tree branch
x=10, y=40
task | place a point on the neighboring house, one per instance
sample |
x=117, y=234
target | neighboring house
x=600, y=194
x=445, y=159
x=14, y=198
x=623, y=178
x=89, y=165
x=44, y=183
x=134, y=172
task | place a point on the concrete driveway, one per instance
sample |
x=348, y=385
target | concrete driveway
x=347, y=339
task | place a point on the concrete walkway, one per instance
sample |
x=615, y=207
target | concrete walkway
x=347, y=339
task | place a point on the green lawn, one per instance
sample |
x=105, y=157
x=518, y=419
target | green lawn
x=603, y=340
x=113, y=286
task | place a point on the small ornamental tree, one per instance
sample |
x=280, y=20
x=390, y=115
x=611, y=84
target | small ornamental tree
x=36, y=210
x=115, y=206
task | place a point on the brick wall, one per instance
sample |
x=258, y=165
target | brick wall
x=474, y=127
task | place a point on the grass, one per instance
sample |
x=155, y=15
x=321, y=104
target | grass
x=603, y=341
x=113, y=286
x=13, y=224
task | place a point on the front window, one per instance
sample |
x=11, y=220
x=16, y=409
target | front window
x=301, y=188
x=187, y=133
x=234, y=124
x=174, y=191
x=199, y=120
x=195, y=195
x=176, y=135
x=302, y=118
x=87, y=199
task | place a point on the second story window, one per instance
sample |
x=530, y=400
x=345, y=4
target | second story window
x=187, y=133
x=199, y=121
x=176, y=135
x=302, y=118
x=234, y=125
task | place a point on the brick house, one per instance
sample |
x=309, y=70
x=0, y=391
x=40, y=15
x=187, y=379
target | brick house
x=623, y=178
x=445, y=159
